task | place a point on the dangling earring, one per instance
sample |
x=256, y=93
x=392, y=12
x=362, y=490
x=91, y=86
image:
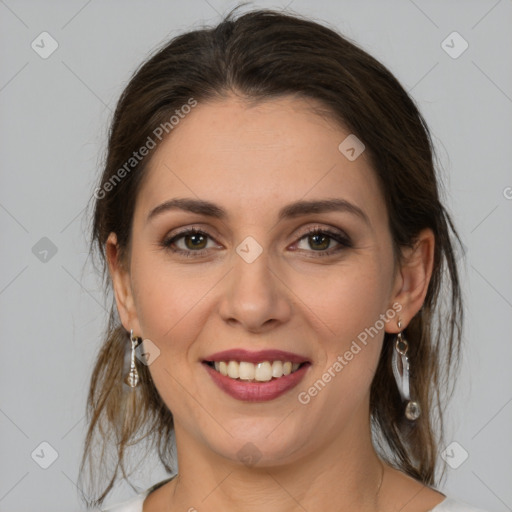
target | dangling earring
x=132, y=379
x=412, y=409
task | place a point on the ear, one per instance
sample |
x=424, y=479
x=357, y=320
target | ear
x=122, y=284
x=413, y=278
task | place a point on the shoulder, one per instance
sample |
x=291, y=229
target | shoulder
x=453, y=505
x=131, y=505
x=135, y=504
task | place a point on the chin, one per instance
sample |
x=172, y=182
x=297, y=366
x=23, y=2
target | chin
x=260, y=444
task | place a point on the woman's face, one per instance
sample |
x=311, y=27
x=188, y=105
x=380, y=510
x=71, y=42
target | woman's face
x=255, y=280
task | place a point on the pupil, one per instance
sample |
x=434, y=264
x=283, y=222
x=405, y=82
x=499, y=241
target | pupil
x=320, y=236
x=196, y=238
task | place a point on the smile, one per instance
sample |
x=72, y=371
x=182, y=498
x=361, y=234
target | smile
x=251, y=372
x=256, y=376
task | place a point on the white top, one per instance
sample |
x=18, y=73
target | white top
x=447, y=505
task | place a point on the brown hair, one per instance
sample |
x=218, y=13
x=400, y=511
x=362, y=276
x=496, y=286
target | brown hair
x=260, y=55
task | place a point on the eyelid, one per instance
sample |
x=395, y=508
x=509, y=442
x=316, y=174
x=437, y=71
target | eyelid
x=339, y=236
x=194, y=228
x=325, y=228
x=182, y=233
x=336, y=234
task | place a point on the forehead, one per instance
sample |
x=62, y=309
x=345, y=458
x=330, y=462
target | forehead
x=258, y=156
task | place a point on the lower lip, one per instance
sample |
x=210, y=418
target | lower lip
x=257, y=391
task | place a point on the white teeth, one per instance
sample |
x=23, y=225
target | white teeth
x=277, y=369
x=261, y=372
x=233, y=370
x=246, y=371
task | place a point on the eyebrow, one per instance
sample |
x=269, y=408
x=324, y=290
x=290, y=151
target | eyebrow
x=289, y=211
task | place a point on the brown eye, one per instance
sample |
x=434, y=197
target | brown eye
x=195, y=241
x=191, y=242
x=321, y=241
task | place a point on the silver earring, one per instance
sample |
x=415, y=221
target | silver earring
x=400, y=366
x=132, y=379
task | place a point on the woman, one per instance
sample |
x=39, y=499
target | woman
x=270, y=221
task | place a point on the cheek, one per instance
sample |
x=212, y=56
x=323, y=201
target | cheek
x=349, y=333
x=172, y=307
x=171, y=301
x=164, y=297
x=344, y=301
x=347, y=322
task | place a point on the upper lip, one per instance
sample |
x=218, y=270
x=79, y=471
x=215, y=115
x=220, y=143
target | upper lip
x=239, y=354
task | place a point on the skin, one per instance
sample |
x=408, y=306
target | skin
x=251, y=160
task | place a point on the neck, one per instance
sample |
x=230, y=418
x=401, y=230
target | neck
x=341, y=476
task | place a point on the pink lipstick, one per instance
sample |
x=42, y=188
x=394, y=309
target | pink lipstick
x=276, y=366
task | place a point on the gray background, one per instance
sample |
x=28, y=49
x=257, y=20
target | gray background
x=53, y=127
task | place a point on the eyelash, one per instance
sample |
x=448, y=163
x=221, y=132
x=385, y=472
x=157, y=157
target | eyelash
x=343, y=240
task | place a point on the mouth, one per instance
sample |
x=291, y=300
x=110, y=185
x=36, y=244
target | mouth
x=256, y=376
x=264, y=371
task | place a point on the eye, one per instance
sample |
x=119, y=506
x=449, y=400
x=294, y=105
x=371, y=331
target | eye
x=194, y=242
x=320, y=241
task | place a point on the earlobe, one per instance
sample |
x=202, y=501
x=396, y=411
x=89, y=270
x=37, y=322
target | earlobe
x=121, y=284
x=413, y=277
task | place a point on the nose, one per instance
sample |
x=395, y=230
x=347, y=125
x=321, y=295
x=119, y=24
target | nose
x=255, y=297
